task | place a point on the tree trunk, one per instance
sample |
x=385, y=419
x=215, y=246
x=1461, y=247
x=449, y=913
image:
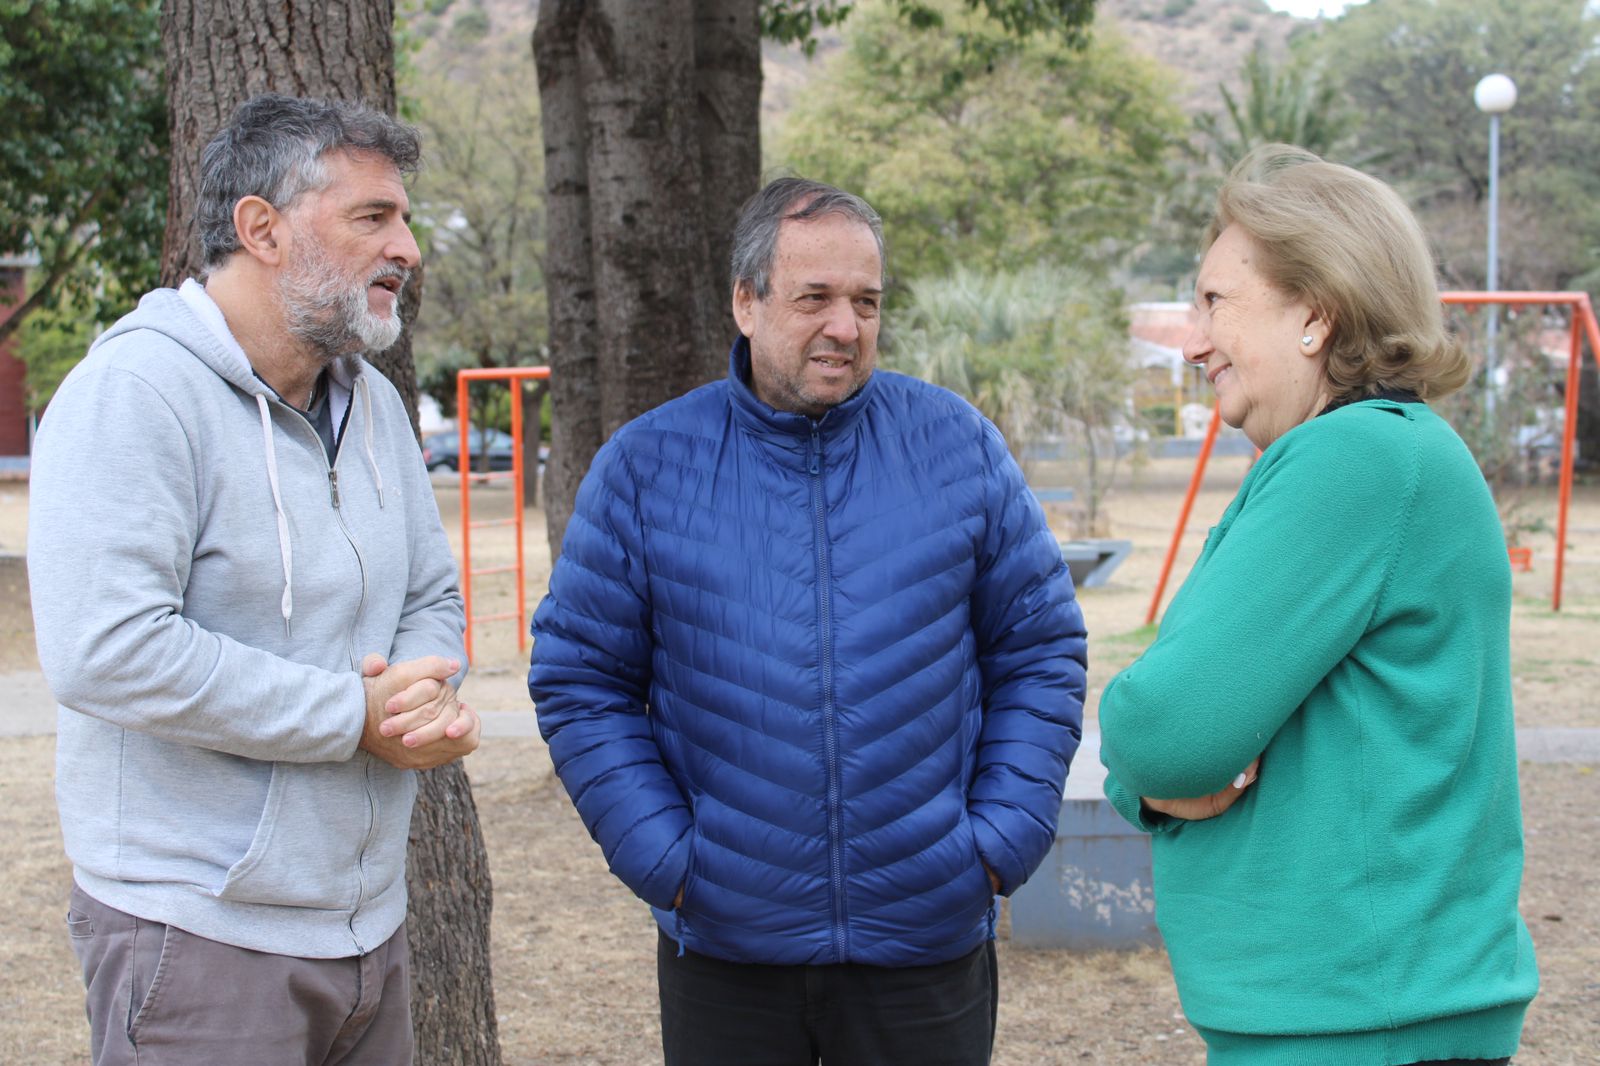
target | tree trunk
x=569, y=281
x=1588, y=435
x=727, y=41
x=652, y=143
x=532, y=394
x=219, y=53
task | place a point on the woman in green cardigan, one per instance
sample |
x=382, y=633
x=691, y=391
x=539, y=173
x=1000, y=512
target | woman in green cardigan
x=1330, y=692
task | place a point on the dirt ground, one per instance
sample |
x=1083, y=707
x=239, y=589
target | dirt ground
x=574, y=952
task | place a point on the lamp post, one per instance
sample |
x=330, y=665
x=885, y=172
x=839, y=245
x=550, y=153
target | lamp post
x=1495, y=94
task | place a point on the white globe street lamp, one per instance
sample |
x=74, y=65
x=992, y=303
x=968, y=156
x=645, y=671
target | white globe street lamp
x=1495, y=94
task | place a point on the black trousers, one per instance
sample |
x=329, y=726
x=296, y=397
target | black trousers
x=717, y=1013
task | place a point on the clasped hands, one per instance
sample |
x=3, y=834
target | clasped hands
x=414, y=720
x=1199, y=808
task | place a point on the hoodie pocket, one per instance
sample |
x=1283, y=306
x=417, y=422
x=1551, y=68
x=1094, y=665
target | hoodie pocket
x=314, y=845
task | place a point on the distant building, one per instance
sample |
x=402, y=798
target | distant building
x=13, y=374
x=1167, y=384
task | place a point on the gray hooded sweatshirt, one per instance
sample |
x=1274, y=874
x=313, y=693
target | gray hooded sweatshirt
x=204, y=588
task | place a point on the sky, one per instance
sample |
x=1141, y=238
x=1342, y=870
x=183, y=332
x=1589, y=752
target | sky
x=1309, y=8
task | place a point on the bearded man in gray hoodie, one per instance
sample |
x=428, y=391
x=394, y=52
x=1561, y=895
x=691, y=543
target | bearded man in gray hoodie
x=249, y=614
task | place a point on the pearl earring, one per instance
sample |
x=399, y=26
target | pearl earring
x=1306, y=340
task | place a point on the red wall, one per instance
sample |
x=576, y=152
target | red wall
x=13, y=393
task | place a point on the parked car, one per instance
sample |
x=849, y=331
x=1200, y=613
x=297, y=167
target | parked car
x=442, y=451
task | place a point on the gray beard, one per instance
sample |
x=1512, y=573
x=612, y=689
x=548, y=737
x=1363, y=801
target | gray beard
x=329, y=314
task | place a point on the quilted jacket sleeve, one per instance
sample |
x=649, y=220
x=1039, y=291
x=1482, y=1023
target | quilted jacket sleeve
x=590, y=679
x=1031, y=650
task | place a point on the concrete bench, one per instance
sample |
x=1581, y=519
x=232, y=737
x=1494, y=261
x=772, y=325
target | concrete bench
x=1093, y=891
x=1092, y=561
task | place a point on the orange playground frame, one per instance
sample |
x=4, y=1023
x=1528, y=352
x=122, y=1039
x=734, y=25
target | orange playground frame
x=514, y=377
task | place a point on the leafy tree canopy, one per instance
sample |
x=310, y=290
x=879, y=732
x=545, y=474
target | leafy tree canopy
x=798, y=20
x=479, y=211
x=984, y=149
x=1409, y=67
x=83, y=143
x=1295, y=103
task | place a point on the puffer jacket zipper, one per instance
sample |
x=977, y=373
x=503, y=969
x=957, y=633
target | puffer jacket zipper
x=830, y=729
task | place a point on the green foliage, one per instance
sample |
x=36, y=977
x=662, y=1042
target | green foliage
x=470, y=27
x=50, y=344
x=1041, y=350
x=83, y=147
x=479, y=209
x=1409, y=68
x=983, y=149
x=1292, y=104
x=798, y=20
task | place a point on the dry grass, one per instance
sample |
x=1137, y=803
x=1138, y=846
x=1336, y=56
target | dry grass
x=574, y=952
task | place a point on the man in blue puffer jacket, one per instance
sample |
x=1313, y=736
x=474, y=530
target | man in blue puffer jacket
x=812, y=670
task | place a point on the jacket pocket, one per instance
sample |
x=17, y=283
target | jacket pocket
x=691, y=872
x=977, y=874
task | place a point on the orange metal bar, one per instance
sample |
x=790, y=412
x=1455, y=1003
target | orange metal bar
x=513, y=376
x=1585, y=310
x=515, y=384
x=1517, y=299
x=1188, y=504
x=1569, y=435
x=464, y=468
x=1582, y=315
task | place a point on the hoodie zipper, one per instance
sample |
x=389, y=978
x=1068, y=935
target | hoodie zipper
x=361, y=604
x=830, y=729
x=350, y=654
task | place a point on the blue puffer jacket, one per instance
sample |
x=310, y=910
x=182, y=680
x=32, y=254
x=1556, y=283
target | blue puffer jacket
x=817, y=673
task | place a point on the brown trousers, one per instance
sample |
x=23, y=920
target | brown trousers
x=158, y=996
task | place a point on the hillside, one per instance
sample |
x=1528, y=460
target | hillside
x=1203, y=42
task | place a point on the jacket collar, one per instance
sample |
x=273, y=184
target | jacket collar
x=787, y=428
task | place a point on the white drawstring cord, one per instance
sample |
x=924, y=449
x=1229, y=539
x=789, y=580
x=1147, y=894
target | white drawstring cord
x=366, y=427
x=285, y=552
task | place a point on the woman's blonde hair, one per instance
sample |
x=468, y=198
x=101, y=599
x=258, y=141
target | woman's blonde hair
x=1347, y=244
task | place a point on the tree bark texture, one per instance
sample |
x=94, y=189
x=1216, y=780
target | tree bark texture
x=652, y=143
x=447, y=924
x=532, y=394
x=218, y=54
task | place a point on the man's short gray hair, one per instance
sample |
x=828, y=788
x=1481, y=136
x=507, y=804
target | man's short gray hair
x=755, y=238
x=273, y=146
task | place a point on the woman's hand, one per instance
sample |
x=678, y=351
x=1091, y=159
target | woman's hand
x=1202, y=807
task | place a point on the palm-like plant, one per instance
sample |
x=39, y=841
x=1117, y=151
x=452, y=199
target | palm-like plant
x=1294, y=104
x=1041, y=350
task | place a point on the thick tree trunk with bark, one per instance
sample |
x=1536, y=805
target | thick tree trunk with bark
x=533, y=394
x=219, y=53
x=652, y=143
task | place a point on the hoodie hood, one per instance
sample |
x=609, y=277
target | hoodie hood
x=190, y=318
x=167, y=312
